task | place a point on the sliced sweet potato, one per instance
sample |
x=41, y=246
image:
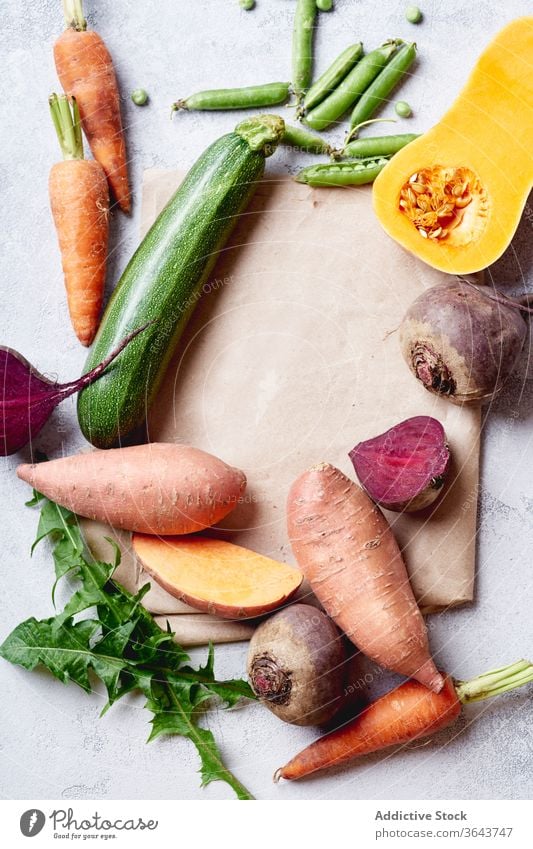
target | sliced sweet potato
x=215, y=576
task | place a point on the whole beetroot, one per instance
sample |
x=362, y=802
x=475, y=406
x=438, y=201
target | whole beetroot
x=296, y=665
x=462, y=341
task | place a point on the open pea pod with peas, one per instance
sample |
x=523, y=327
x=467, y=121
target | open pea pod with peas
x=356, y=173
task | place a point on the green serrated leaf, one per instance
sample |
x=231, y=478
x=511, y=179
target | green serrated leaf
x=123, y=646
x=179, y=717
x=91, y=593
x=60, y=522
x=34, y=500
x=116, y=549
x=114, y=645
x=65, y=652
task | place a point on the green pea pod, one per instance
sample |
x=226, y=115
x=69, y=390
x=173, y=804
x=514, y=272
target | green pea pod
x=342, y=173
x=377, y=146
x=334, y=75
x=351, y=88
x=302, y=46
x=304, y=140
x=377, y=93
x=236, y=98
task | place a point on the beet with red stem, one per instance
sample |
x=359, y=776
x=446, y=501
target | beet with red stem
x=462, y=341
x=404, y=469
x=28, y=398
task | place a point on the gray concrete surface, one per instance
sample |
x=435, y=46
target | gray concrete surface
x=53, y=745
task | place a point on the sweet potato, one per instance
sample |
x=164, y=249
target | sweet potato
x=217, y=577
x=346, y=550
x=154, y=489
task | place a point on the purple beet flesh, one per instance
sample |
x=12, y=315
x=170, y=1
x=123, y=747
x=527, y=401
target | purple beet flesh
x=404, y=469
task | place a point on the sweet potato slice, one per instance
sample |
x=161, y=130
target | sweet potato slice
x=215, y=576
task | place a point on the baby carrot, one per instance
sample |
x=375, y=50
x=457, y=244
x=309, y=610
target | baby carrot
x=85, y=70
x=407, y=713
x=80, y=205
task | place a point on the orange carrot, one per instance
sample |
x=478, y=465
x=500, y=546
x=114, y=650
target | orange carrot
x=80, y=206
x=407, y=713
x=346, y=550
x=85, y=70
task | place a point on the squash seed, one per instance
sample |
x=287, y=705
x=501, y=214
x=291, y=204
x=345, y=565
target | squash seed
x=439, y=193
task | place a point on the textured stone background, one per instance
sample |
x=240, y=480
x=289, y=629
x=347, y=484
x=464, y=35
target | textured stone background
x=53, y=744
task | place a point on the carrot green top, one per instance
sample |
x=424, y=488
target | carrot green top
x=66, y=118
x=73, y=12
x=495, y=682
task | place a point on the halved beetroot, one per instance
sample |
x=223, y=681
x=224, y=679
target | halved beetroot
x=404, y=469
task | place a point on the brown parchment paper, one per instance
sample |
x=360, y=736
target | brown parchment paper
x=292, y=357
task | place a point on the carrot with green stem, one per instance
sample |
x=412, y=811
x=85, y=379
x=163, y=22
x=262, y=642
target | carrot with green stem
x=79, y=199
x=407, y=713
x=85, y=70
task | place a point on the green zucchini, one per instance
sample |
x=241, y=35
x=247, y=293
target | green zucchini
x=164, y=278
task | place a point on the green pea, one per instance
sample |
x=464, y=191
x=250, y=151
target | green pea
x=403, y=109
x=350, y=89
x=377, y=93
x=324, y=5
x=413, y=14
x=247, y=5
x=334, y=75
x=378, y=146
x=139, y=96
x=236, y=98
x=302, y=46
x=304, y=140
x=355, y=173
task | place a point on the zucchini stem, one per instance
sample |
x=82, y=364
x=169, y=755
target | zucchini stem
x=495, y=682
x=66, y=117
x=73, y=13
x=263, y=133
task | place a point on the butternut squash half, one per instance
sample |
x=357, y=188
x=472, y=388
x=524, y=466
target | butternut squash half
x=454, y=196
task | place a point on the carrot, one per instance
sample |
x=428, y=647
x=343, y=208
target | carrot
x=405, y=714
x=85, y=70
x=158, y=488
x=346, y=550
x=80, y=206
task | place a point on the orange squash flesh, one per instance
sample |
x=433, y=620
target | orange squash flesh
x=489, y=132
x=215, y=576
